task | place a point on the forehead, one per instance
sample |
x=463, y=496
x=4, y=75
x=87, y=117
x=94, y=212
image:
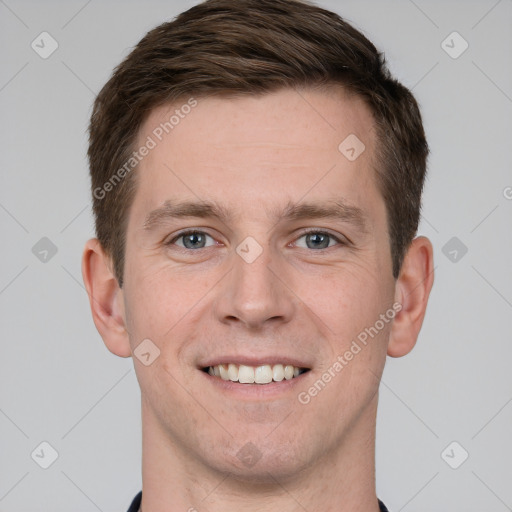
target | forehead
x=294, y=116
x=250, y=151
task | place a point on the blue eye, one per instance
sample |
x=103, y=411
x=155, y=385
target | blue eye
x=195, y=239
x=318, y=240
x=192, y=240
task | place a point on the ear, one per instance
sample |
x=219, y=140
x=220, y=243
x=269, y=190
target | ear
x=412, y=291
x=106, y=298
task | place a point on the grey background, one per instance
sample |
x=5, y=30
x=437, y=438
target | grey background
x=60, y=384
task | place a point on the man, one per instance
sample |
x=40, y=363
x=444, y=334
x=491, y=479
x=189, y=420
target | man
x=256, y=177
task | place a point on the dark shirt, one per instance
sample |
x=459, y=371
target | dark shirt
x=134, y=507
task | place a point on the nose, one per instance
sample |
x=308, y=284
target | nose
x=255, y=294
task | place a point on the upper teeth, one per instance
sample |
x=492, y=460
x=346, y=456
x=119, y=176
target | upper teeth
x=254, y=374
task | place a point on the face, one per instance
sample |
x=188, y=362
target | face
x=254, y=243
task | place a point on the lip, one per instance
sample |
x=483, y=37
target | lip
x=254, y=361
x=255, y=391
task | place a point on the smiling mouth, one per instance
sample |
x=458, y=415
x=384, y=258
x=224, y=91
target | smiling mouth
x=263, y=374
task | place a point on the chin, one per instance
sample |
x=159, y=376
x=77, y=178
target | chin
x=264, y=462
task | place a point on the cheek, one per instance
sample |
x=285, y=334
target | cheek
x=346, y=299
x=153, y=306
x=163, y=299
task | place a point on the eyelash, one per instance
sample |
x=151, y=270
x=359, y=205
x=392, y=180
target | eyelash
x=303, y=233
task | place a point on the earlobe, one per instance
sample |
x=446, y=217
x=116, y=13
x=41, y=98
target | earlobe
x=412, y=292
x=105, y=298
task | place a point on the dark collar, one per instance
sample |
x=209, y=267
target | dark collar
x=134, y=507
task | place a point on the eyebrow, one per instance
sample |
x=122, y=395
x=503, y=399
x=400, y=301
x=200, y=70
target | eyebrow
x=336, y=210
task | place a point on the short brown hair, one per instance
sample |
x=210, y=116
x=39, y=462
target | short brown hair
x=251, y=47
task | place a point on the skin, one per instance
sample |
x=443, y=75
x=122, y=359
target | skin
x=253, y=155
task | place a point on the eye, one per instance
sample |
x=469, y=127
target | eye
x=192, y=239
x=195, y=239
x=318, y=240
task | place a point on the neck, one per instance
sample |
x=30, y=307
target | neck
x=342, y=480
